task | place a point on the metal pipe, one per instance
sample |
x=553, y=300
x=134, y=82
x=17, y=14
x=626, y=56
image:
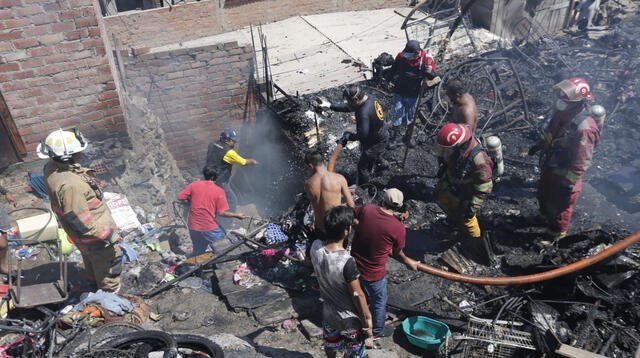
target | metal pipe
x=538, y=277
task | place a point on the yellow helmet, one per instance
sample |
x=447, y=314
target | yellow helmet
x=61, y=144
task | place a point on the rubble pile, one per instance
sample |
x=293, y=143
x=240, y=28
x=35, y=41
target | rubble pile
x=589, y=309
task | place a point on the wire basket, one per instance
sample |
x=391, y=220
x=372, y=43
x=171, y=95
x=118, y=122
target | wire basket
x=485, y=339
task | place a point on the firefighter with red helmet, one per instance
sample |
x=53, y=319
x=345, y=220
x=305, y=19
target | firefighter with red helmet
x=465, y=180
x=566, y=146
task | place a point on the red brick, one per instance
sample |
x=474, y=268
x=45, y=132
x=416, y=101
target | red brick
x=6, y=14
x=70, y=14
x=26, y=43
x=31, y=63
x=28, y=10
x=35, y=92
x=86, y=22
x=44, y=19
x=38, y=30
x=73, y=35
x=107, y=95
x=9, y=3
x=6, y=36
x=40, y=51
x=45, y=99
x=22, y=75
x=94, y=31
x=88, y=12
x=8, y=67
x=67, y=47
x=63, y=27
x=11, y=24
x=14, y=86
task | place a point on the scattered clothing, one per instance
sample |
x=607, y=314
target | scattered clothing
x=275, y=235
x=129, y=254
x=36, y=182
x=243, y=276
x=108, y=300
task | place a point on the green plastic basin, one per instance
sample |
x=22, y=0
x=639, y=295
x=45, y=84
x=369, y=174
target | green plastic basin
x=425, y=332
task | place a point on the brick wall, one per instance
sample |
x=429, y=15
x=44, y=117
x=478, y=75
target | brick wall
x=163, y=26
x=196, y=92
x=53, y=69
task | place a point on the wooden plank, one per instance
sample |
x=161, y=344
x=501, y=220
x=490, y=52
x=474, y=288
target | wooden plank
x=12, y=130
x=573, y=352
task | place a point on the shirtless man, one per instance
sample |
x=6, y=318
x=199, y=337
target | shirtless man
x=465, y=110
x=324, y=188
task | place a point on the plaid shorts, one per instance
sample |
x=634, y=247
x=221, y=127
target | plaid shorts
x=350, y=341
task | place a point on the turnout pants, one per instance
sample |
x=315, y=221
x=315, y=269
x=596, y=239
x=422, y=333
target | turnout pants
x=371, y=154
x=103, y=263
x=557, y=201
x=455, y=208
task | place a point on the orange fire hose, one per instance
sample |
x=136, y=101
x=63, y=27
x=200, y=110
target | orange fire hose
x=334, y=157
x=542, y=276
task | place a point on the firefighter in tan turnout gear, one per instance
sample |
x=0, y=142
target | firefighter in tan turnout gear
x=76, y=199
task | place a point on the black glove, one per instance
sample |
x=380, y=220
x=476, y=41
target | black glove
x=346, y=137
x=534, y=149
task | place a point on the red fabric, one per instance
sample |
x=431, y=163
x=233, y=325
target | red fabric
x=557, y=200
x=378, y=233
x=206, y=201
x=424, y=57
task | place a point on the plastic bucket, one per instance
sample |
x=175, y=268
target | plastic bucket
x=425, y=332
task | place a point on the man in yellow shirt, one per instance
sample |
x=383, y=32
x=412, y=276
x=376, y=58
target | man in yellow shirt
x=222, y=155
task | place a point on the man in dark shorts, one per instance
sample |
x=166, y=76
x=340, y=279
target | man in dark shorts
x=5, y=225
x=345, y=315
x=372, y=129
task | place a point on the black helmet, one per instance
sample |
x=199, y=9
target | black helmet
x=229, y=134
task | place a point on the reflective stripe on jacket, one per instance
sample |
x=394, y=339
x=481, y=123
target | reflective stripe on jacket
x=80, y=211
x=470, y=179
x=568, y=143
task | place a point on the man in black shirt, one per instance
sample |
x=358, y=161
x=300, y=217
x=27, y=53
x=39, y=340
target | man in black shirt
x=372, y=129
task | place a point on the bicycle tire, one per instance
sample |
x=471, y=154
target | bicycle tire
x=156, y=340
x=199, y=343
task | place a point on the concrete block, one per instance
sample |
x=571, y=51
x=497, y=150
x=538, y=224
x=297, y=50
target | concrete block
x=311, y=330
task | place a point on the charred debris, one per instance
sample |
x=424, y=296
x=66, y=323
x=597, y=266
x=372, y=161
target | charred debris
x=595, y=309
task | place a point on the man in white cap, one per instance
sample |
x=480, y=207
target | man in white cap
x=379, y=235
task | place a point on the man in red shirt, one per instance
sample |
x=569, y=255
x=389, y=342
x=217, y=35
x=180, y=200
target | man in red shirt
x=379, y=235
x=207, y=200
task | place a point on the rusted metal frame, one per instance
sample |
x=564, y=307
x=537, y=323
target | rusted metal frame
x=498, y=95
x=521, y=91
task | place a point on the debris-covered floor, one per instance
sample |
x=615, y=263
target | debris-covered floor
x=256, y=300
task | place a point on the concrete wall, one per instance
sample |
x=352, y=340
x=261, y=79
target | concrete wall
x=196, y=92
x=163, y=26
x=53, y=69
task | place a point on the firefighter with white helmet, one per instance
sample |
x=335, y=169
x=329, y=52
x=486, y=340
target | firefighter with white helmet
x=465, y=180
x=77, y=201
x=566, y=146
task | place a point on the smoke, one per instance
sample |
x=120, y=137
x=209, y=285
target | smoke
x=273, y=184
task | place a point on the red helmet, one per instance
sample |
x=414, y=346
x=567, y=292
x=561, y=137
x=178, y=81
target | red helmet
x=452, y=135
x=574, y=90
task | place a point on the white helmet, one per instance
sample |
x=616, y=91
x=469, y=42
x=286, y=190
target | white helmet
x=62, y=144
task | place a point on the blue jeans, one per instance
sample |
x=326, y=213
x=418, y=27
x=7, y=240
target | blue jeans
x=202, y=239
x=404, y=108
x=376, y=292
